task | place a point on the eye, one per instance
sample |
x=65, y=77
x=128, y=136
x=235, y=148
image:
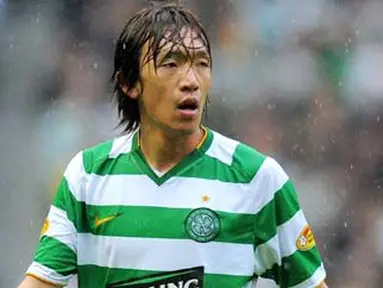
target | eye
x=203, y=63
x=170, y=65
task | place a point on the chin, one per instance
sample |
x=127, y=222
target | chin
x=185, y=129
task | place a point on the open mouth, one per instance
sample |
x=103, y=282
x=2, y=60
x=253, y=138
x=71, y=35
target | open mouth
x=189, y=104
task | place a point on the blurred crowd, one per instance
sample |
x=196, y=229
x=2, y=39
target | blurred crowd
x=301, y=81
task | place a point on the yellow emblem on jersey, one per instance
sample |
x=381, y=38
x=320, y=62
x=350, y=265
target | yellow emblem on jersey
x=305, y=240
x=100, y=221
x=205, y=198
x=45, y=226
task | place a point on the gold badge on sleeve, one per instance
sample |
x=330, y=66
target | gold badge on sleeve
x=45, y=227
x=305, y=240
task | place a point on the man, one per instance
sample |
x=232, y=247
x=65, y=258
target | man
x=172, y=203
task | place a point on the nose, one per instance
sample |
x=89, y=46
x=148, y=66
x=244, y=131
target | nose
x=190, y=82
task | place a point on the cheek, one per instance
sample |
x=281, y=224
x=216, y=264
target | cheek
x=156, y=100
x=205, y=81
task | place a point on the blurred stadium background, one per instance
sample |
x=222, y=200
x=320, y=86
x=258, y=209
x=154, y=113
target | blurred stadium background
x=299, y=80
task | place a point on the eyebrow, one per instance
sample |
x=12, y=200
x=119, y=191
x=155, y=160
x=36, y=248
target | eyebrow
x=195, y=53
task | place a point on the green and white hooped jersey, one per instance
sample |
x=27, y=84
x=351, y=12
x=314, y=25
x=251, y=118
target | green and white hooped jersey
x=226, y=214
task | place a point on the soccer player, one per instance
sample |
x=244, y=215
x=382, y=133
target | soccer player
x=172, y=203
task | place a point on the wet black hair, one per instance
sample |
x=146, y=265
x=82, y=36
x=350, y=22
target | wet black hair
x=152, y=25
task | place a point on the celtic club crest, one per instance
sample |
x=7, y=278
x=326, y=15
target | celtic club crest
x=202, y=225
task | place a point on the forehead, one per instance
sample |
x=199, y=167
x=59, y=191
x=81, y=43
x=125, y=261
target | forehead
x=186, y=39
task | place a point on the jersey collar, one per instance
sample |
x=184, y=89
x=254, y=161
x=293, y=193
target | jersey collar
x=182, y=166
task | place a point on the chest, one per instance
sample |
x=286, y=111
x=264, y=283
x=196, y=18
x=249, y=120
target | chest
x=134, y=223
x=178, y=193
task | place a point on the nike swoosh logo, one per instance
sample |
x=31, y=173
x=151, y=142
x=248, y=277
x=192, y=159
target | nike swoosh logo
x=100, y=221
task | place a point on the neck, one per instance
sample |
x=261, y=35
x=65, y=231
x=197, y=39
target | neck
x=164, y=150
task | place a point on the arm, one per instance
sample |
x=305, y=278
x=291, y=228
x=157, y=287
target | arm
x=285, y=246
x=55, y=260
x=32, y=282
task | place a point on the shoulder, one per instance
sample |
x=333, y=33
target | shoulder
x=90, y=158
x=243, y=157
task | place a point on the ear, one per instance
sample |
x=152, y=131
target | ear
x=131, y=92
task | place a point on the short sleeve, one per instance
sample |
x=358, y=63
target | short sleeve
x=285, y=248
x=55, y=259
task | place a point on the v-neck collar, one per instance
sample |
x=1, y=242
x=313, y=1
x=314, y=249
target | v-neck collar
x=196, y=154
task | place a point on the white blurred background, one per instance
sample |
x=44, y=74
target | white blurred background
x=299, y=80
